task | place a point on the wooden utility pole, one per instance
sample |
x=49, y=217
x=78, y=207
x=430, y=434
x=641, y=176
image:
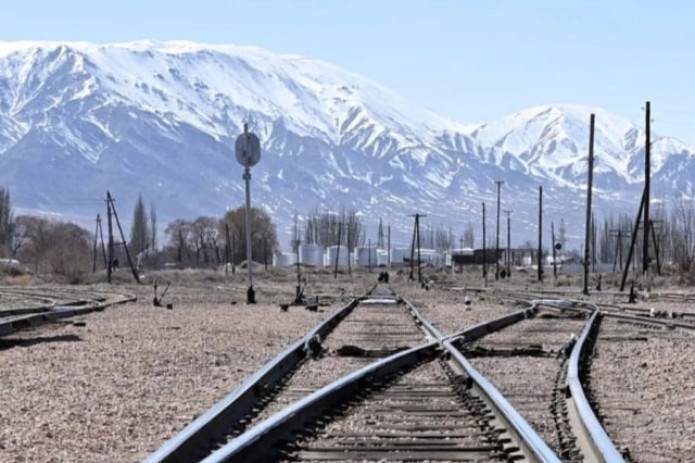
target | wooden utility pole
x=337, y=252
x=618, y=257
x=110, y=246
x=587, y=233
x=484, y=250
x=631, y=249
x=125, y=245
x=540, y=233
x=647, y=175
x=98, y=234
x=508, y=256
x=412, y=253
x=417, y=226
x=227, y=250
x=349, y=247
x=388, y=238
x=497, y=238
x=416, y=242
x=552, y=237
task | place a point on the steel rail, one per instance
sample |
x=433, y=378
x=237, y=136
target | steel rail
x=429, y=329
x=251, y=445
x=639, y=315
x=215, y=423
x=601, y=444
x=57, y=312
x=535, y=446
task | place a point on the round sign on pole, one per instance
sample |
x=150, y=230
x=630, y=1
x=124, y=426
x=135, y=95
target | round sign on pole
x=248, y=149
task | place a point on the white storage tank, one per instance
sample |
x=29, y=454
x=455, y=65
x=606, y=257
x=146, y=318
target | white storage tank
x=382, y=257
x=365, y=255
x=284, y=259
x=339, y=252
x=430, y=256
x=398, y=255
x=311, y=254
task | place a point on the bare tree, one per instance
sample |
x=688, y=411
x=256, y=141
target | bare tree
x=323, y=228
x=205, y=232
x=55, y=247
x=70, y=254
x=5, y=222
x=262, y=232
x=682, y=240
x=179, y=232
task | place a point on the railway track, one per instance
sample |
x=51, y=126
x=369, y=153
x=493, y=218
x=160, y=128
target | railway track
x=639, y=380
x=373, y=326
x=527, y=362
x=368, y=385
x=22, y=308
x=300, y=396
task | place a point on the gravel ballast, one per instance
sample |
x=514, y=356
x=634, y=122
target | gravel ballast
x=133, y=376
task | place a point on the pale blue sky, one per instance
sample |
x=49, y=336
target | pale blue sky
x=469, y=60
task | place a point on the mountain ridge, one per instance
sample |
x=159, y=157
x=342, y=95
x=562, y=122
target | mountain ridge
x=160, y=118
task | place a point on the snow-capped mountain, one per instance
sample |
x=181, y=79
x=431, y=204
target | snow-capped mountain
x=160, y=119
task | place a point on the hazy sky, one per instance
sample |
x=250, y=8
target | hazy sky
x=471, y=60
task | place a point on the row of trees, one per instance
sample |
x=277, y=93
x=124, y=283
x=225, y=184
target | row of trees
x=64, y=248
x=209, y=241
x=671, y=238
x=346, y=228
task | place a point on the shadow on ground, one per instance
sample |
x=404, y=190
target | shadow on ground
x=10, y=343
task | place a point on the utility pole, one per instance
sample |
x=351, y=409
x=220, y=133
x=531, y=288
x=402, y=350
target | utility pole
x=337, y=253
x=508, y=257
x=540, y=233
x=647, y=175
x=587, y=233
x=484, y=250
x=416, y=241
x=552, y=237
x=497, y=239
x=97, y=233
x=389, y=243
x=265, y=252
x=110, y=243
x=632, y=242
x=125, y=245
x=349, y=246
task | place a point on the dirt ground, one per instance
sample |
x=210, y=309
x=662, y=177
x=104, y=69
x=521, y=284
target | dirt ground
x=117, y=386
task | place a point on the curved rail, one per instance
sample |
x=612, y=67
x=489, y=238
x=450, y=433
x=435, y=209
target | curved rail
x=525, y=434
x=214, y=423
x=251, y=445
x=254, y=443
x=604, y=450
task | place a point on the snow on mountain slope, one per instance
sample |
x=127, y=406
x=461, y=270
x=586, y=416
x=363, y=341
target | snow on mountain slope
x=160, y=119
x=211, y=86
x=555, y=140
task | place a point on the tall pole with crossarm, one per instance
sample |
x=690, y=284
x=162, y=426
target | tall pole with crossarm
x=497, y=238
